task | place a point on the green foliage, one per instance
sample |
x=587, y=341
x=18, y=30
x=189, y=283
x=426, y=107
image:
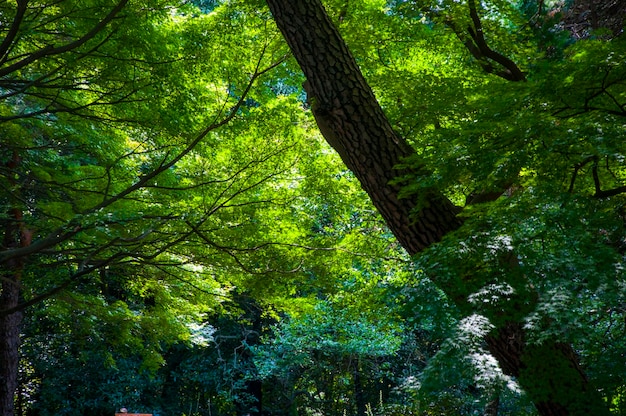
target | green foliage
x=321, y=358
x=199, y=210
x=328, y=332
x=550, y=148
x=553, y=148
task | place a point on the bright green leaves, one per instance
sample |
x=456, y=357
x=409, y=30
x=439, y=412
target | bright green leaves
x=549, y=251
x=139, y=247
x=463, y=369
x=180, y=174
x=548, y=259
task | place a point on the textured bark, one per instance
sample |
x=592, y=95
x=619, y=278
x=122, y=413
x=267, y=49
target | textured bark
x=353, y=123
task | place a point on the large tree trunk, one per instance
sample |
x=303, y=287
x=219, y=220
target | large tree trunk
x=354, y=124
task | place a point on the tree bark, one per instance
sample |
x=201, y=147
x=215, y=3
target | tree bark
x=353, y=123
x=15, y=235
x=9, y=339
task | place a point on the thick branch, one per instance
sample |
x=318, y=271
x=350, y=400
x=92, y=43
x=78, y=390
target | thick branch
x=599, y=193
x=473, y=38
x=353, y=122
x=511, y=70
x=22, y=5
x=577, y=168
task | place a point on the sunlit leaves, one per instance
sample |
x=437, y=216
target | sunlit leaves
x=262, y=207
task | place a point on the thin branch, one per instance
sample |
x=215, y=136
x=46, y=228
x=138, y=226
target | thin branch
x=89, y=265
x=44, y=80
x=577, y=167
x=68, y=231
x=188, y=282
x=52, y=292
x=594, y=92
x=51, y=50
x=232, y=255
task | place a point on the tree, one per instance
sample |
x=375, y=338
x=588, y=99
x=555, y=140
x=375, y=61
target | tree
x=328, y=361
x=95, y=188
x=353, y=123
x=164, y=183
x=144, y=214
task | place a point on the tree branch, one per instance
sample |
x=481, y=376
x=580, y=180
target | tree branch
x=577, y=167
x=51, y=50
x=5, y=46
x=478, y=47
x=512, y=71
x=73, y=227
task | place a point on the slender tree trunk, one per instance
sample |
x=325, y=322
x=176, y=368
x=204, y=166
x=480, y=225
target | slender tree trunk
x=9, y=339
x=354, y=124
x=15, y=235
x=492, y=407
x=359, y=394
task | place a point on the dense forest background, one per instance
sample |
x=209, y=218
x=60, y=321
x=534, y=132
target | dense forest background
x=373, y=207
